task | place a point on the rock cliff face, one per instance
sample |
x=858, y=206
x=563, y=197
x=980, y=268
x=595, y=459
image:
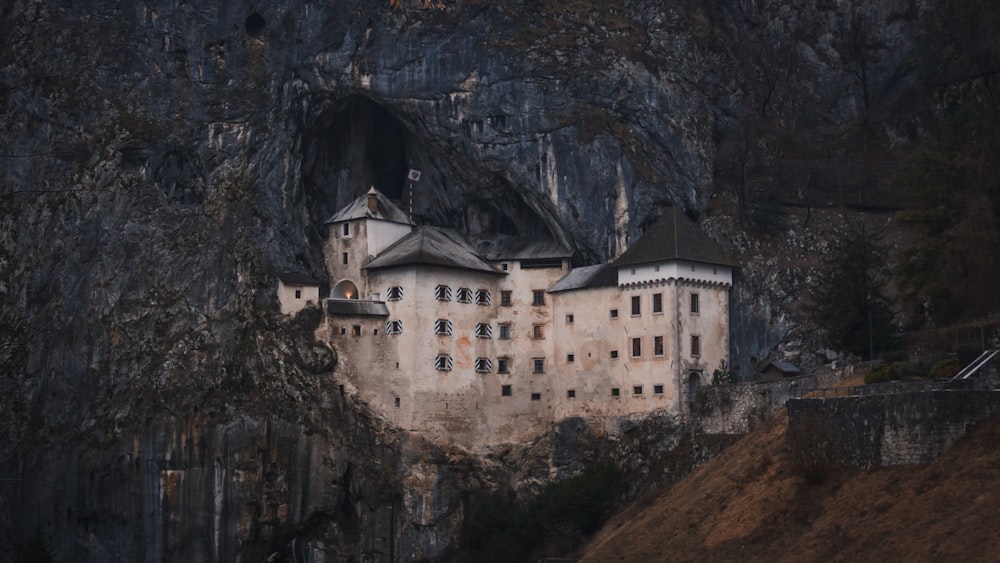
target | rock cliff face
x=163, y=160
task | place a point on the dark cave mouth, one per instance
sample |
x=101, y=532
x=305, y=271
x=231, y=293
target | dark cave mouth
x=354, y=143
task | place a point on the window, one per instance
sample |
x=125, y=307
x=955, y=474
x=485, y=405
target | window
x=505, y=391
x=636, y=305
x=482, y=297
x=537, y=332
x=695, y=345
x=504, y=331
x=571, y=393
x=394, y=327
x=657, y=303
x=375, y=332
x=464, y=295
x=569, y=319
x=503, y=365
x=442, y=326
x=442, y=293
x=396, y=400
x=443, y=362
x=633, y=271
x=356, y=330
x=537, y=297
x=615, y=392
x=614, y=313
x=345, y=230
x=536, y=396
x=637, y=347
x=484, y=365
x=570, y=358
x=637, y=389
x=504, y=266
x=344, y=257
x=484, y=330
x=394, y=293
x=614, y=354
x=658, y=389
x=538, y=365
x=343, y=330
x=505, y=299
x=657, y=345
x=695, y=305
x=298, y=294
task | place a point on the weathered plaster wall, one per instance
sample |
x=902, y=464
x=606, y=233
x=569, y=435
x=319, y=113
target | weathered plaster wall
x=903, y=427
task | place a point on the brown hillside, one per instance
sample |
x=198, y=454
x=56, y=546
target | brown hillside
x=748, y=504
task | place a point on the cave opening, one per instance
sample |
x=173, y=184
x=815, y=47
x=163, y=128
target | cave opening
x=254, y=25
x=350, y=146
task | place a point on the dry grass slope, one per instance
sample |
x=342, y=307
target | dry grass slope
x=750, y=504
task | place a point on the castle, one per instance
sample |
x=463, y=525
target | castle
x=481, y=342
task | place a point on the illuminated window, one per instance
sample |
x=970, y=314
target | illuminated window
x=356, y=330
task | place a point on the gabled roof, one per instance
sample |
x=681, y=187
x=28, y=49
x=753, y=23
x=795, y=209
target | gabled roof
x=432, y=246
x=674, y=237
x=358, y=209
x=507, y=247
x=601, y=275
x=785, y=368
x=297, y=278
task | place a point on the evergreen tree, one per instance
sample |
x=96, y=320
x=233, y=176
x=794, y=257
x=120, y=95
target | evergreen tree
x=849, y=300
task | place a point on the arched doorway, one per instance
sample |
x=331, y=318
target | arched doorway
x=694, y=381
x=345, y=289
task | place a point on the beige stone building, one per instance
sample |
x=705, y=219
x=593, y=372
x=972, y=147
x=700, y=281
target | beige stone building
x=296, y=290
x=480, y=342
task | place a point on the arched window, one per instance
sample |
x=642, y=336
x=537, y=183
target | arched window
x=345, y=290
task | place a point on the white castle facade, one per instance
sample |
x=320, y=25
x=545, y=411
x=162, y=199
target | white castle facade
x=485, y=342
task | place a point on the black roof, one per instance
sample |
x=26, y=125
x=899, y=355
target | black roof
x=674, y=237
x=297, y=278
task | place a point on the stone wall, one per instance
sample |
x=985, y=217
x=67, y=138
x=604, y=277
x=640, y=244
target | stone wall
x=737, y=408
x=911, y=426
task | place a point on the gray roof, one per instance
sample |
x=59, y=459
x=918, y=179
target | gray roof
x=297, y=278
x=356, y=308
x=601, y=275
x=432, y=246
x=674, y=237
x=507, y=247
x=358, y=209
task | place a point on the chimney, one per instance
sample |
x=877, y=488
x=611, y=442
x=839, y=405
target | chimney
x=372, y=201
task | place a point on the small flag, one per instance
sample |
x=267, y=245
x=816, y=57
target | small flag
x=414, y=175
